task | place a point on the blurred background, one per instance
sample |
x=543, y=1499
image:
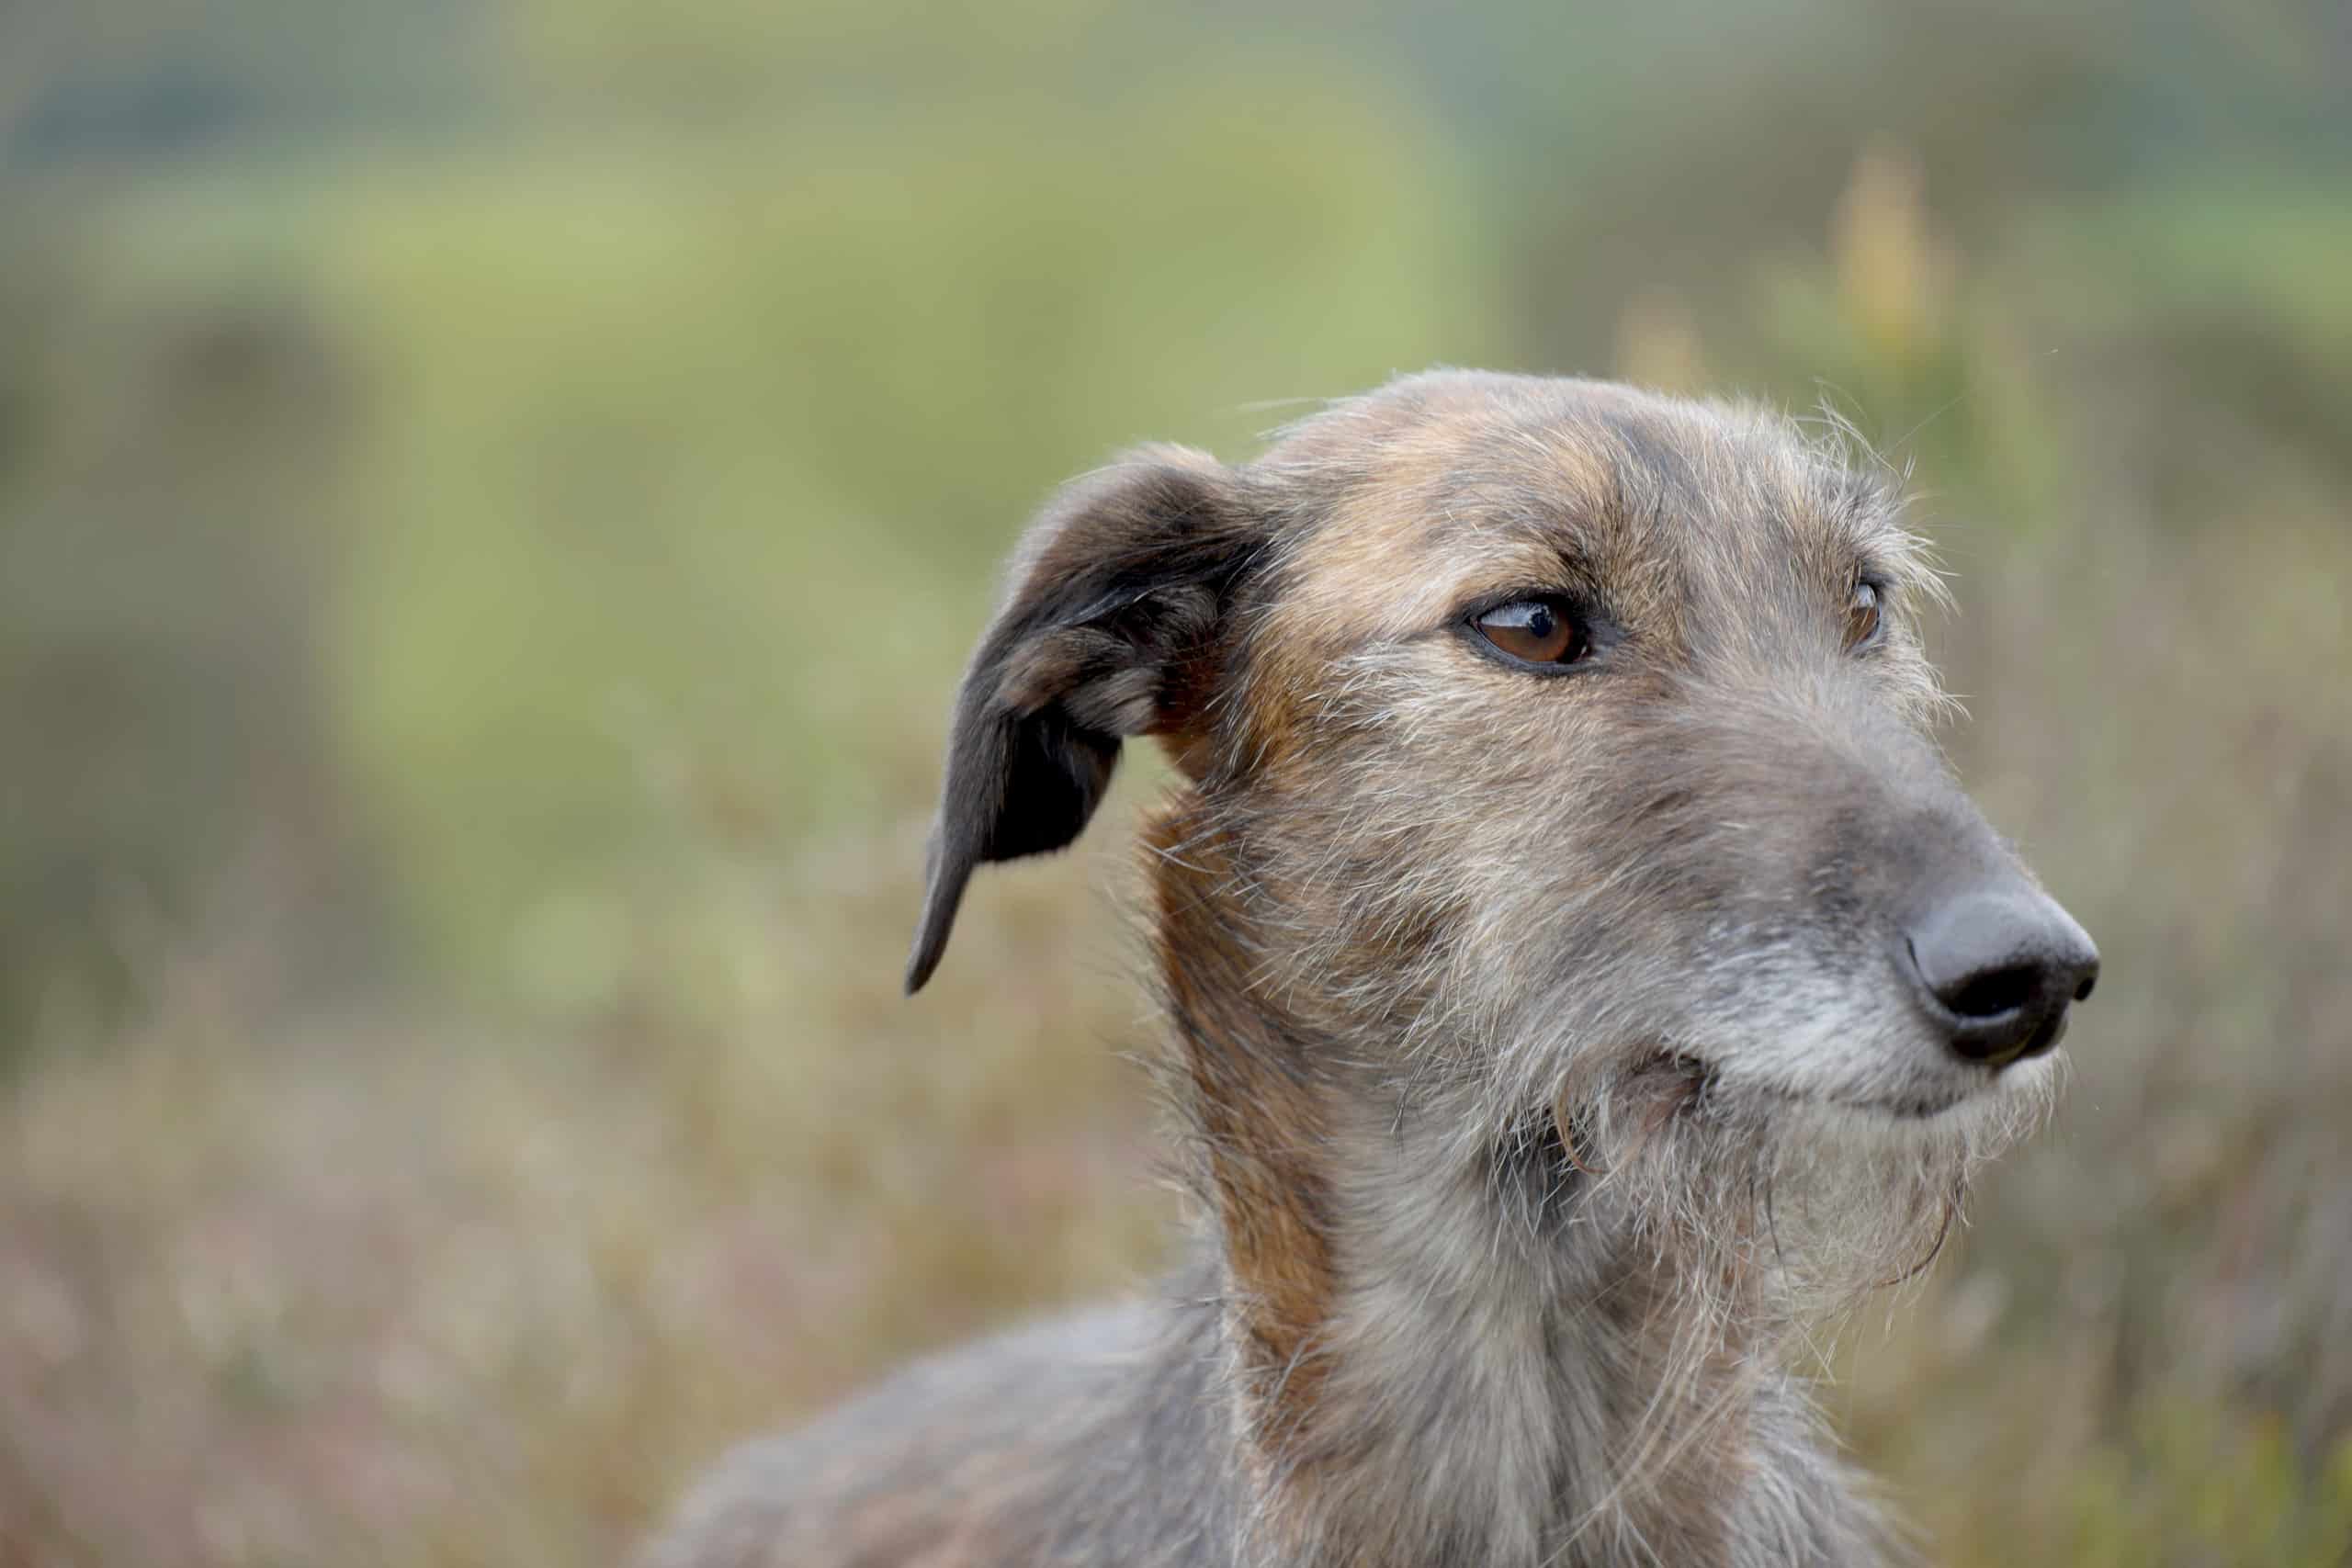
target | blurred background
x=494, y=495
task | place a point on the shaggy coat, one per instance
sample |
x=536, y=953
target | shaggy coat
x=1581, y=970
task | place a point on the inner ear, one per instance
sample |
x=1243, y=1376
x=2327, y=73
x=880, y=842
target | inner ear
x=1118, y=597
x=1127, y=670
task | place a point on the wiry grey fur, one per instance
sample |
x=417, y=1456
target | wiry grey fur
x=1540, y=1042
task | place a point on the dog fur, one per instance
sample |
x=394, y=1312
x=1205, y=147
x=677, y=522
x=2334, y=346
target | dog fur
x=1545, y=1061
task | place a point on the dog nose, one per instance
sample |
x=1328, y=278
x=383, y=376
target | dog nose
x=1999, y=970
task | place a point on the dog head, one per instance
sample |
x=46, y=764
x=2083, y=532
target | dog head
x=1572, y=739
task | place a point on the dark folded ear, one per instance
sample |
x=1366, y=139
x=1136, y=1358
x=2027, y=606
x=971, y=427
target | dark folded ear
x=1118, y=594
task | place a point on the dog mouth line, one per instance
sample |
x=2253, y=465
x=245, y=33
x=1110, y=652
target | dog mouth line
x=1706, y=1084
x=1690, y=1087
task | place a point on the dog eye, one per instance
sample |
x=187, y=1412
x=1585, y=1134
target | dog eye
x=1534, y=631
x=1862, y=617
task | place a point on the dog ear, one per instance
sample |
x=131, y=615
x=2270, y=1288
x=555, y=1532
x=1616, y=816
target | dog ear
x=1118, y=590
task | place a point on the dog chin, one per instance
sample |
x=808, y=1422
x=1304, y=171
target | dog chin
x=1940, y=1123
x=1966, y=1097
x=1938, y=1095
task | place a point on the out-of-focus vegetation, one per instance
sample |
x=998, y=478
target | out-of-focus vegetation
x=494, y=494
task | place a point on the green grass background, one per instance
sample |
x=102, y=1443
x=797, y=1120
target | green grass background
x=494, y=497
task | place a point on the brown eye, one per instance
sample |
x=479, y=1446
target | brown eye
x=1862, y=617
x=1534, y=631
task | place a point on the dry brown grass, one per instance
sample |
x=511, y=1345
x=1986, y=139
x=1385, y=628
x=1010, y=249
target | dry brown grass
x=341, y=1293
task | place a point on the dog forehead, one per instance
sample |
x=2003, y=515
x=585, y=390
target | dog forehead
x=1443, y=487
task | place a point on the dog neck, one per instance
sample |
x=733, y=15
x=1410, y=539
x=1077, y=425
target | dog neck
x=1427, y=1369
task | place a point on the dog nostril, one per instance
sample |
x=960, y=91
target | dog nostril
x=1998, y=970
x=1986, y=995
x=2082, y=991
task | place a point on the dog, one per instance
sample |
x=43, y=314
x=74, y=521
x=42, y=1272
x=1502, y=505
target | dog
x=1582, y=975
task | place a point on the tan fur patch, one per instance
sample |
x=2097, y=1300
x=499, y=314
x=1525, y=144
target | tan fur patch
x=1262, y=1131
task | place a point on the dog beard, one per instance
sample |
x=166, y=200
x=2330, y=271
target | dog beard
x=1766, y=1211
